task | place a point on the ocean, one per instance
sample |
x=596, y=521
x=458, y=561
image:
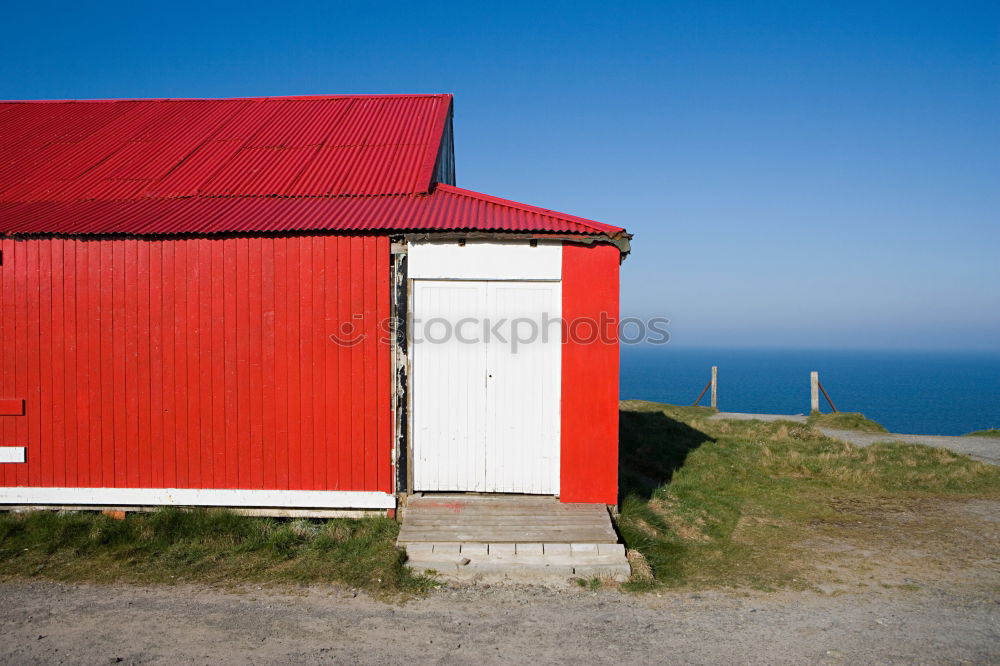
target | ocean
x=922, y=392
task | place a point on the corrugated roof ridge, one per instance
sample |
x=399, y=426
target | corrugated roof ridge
x=226, y=99
x=597, y=226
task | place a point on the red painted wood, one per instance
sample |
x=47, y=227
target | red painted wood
x=90, y=366
x=319, y=360
x=269, y=420
x=231, y=392
x=156, y=357
x=71, y=438
x=105, y=320
x=306, y=361
x=330, y=378
x=11, y=407
x=294, y=388
x=34, y=288
x=589, y=449
x=281, y=362
x=44, y=407
x=217, y=416
x=169, y=367
x=144, y=389
x=56, y=363
x=370, y=368
x=117, y=277
x=7, y=475
x=206, y=352
x=203, y=363
x=22, y=291
x=344, y=386
x=357, y=362
x=383, y=306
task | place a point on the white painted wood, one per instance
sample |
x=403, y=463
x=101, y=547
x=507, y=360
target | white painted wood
x=481, y=260
x=486, y=408
x=449, y=386
x=11, y=454
x=199, y=497
x=524, y=389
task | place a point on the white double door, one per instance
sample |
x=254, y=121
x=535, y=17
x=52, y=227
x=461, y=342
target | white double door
x=486, y=385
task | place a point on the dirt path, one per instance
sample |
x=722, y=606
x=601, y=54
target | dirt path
x=986, y=449
x=57, y=624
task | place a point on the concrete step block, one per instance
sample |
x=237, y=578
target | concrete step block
x=475, y=550
x=556, y=549
x=619, y=572
x=503, y=549
x=611, y=549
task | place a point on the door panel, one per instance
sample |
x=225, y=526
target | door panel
x=449, y=389
x=523, y=387
x=486, y=407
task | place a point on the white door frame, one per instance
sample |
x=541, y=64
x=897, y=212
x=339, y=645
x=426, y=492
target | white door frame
x=520, y=262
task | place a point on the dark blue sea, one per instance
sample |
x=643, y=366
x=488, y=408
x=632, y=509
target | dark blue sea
x=939, y=393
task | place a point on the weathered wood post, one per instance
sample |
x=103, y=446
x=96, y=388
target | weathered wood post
x=814, y=391
x=715, y=387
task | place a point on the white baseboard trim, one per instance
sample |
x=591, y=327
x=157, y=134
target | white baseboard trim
x=11, y=454
x=311, y=499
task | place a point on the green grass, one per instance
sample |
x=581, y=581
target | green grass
x=845, y=421
x=729, y=503
x=989, y=432
x=204, y=546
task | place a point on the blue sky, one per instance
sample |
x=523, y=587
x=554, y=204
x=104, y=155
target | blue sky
x=796, y=174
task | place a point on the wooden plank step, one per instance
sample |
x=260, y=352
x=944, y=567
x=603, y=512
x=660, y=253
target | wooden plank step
x=540, y=536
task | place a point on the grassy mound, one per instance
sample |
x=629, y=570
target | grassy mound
x=204, y=545
x=989, y=432
x=845, y=421
x=729, y=503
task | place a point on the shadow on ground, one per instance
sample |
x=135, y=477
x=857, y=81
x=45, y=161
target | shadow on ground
x=652, y=446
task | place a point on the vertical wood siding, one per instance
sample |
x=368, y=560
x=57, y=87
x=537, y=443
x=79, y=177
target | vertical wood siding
x=589, y=451
x=197, y=363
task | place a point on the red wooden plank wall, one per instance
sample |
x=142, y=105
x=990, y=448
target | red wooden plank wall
x=197, y=363
x=590, y=363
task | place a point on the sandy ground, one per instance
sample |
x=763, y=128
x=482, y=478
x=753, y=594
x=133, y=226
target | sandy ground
x=44, y=623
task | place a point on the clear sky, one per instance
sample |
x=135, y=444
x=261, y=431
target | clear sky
x=807, y=174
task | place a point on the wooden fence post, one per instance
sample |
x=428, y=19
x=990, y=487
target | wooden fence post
x=814, y=392
x=715, y=387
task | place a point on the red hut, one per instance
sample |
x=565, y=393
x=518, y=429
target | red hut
x=285, y=304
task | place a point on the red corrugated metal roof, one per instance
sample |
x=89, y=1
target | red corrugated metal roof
x=448, y=208
x=338, y=163
x=253, y=147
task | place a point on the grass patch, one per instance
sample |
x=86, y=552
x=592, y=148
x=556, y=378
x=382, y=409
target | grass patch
x=989, y=432
x=730, y=503
x=211, y=546
x=845, y=421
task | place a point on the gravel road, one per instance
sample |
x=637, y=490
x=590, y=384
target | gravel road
x=46, y=623
x=986, y=449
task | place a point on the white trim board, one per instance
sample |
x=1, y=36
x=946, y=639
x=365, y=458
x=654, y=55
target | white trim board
x=312, y=499
x=484, y=260
x=11, y=454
